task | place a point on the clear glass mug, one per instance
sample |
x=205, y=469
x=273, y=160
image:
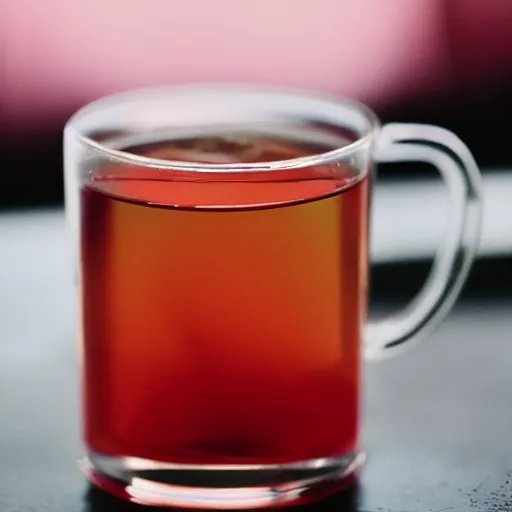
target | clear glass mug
x=222, y=239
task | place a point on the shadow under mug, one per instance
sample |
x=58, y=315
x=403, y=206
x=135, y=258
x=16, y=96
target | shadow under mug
x=222, y=240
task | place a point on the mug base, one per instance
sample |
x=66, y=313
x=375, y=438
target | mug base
x=223, y=486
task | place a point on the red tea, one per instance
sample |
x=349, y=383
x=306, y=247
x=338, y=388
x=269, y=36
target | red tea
x=222, y=320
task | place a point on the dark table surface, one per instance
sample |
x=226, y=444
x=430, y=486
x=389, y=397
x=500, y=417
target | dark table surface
x=438, y=420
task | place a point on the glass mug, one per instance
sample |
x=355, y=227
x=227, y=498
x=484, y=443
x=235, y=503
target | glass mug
x=222, y=238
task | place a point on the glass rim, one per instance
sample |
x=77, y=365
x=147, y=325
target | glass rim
x=321, y=158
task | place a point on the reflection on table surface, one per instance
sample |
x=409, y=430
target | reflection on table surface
x=99, y=501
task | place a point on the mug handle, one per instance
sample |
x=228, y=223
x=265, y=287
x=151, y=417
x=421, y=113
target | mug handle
x=445, y=151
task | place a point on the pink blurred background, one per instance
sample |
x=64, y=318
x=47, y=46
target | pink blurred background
x=61, y=53
x=392, y=54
